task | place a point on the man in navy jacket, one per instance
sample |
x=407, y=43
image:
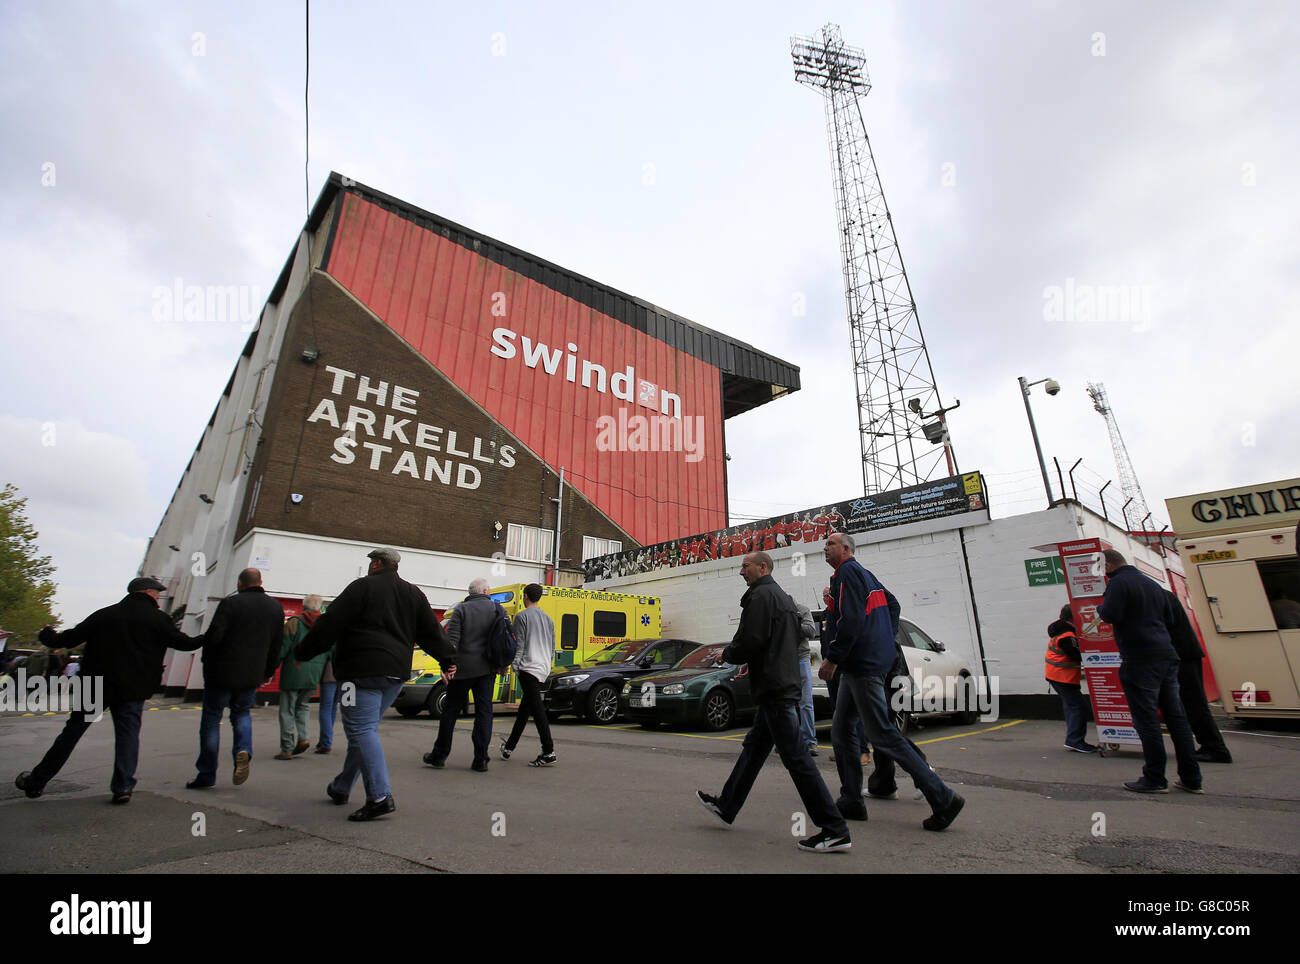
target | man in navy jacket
x=863, y=650
x=1136, y=606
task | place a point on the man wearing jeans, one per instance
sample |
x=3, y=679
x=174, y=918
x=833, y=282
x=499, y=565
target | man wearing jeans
x=374, y=626
x=767, y=640
x=1136, y=606
x=241, y=649
x=807, y=723
x=863, y=652
x=125, y=645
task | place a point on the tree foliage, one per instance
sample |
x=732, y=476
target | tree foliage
x=26, y=589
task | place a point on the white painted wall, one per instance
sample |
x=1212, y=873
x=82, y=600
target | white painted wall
x=927, y=573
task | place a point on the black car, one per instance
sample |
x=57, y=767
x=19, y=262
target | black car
x=592, y=687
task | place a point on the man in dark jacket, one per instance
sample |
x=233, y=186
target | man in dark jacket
x=469, y=629
x=767, y=639
x=125, y=645
x=1191, y=685
x=1136, y=607
x=864, y=653
x=241, y=649
x=374, y=626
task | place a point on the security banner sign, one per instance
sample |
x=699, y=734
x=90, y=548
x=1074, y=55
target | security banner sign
x=1086, y=582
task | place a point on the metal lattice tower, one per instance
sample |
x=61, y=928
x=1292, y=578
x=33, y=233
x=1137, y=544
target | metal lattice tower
x=890, y=363
x=1127, y=477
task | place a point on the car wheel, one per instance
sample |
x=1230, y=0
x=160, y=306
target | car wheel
x=969, y=698
x=408, y=711
x=436, y=701
x=903, y=721
x=719, y=712
x=602, y=703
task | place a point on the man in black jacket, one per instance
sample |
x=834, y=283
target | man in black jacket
x=768, y=639
x=374, y=626
x=241, y=650
x=1136, y=608
x=125, y=645
x=1191, y=685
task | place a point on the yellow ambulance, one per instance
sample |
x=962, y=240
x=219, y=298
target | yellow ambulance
x=586, y=621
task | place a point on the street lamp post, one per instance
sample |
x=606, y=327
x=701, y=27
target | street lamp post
x=1052, y=387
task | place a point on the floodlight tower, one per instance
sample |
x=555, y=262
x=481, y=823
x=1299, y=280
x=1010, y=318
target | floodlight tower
x=894, y=378
x=1127, y=477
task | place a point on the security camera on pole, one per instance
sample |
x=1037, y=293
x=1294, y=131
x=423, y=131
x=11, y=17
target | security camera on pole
x=1052, y=387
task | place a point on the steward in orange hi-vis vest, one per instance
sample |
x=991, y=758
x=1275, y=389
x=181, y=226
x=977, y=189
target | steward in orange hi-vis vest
x=1063, y=658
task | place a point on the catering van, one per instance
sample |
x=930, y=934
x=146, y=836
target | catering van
x=1238, y=547
x=586, y=621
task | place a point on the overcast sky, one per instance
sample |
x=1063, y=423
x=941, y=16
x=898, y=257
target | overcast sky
x=667, y=151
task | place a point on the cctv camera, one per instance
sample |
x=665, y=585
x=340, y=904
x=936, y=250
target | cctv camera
x=1052, y=386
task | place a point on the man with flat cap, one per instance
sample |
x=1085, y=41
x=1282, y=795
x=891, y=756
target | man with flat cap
x=241, y=649
x=374, y=626
x=125, y=644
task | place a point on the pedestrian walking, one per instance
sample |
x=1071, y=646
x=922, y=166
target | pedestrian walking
x=863, y=652
x=1064, y=673
x=298, y=681
x=1136, y=606
x=125, y=645
x=327, y=711
x=241, y=648
x=767, y=639
x=807, y=723
x=1191, y=685
x=373, y=627
x=833, y=684
x=469, y=629
x=533, y=660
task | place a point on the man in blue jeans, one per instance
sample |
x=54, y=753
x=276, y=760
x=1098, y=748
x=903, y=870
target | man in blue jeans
x=241, y=649
x=1135, y=606
x=864, y=653
x=767, y=640
x=374, y=626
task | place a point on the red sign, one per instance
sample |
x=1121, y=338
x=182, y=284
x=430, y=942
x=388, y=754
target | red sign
x=1085, y=581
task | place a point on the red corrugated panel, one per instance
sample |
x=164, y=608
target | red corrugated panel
x=439, y=297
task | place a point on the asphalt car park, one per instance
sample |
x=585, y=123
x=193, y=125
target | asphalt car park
x=621, y=799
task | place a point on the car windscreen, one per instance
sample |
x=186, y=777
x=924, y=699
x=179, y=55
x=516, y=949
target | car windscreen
x=706, y=657
x=618, y=652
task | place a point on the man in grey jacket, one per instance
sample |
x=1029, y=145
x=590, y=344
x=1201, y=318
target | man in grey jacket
x=469, y=630
x=807, y=723
x=536, y=635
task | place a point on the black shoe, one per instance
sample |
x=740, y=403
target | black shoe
x=711, y=804
x=543, y=760
x=195, y=785
x=850, y=812
x=479, y=766
x=334, y=795
x=1213, y=756
x=1183, y=786
x=23, y=783
x=121, y=798
x=434, y=761
x=891, y=794
x=1084, y=747
x=1141, y=786
x=372, y=810
x=942, y=819
x=812, y=750
x=826, y=843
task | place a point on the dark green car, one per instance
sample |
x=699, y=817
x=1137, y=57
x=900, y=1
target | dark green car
x=700, y=690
